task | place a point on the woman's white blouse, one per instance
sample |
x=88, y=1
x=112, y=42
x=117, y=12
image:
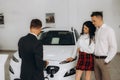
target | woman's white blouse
x=84, y=45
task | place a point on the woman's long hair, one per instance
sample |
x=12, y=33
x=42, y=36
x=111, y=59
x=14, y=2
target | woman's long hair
x=91, y=28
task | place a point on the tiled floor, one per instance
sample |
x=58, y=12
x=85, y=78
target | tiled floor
x=114, y=66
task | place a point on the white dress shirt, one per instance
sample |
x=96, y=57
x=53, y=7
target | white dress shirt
x=105, y=42
x=84, y=45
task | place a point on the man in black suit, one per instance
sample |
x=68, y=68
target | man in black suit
x=31, y=53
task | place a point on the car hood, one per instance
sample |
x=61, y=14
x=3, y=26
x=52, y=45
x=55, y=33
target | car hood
x=57, y=53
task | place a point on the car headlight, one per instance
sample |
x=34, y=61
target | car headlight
x=64, y=62
x=15, y=59
x=70, y=72
x=11, y=69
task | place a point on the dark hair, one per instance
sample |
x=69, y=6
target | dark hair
x=92, y=30
x=97, y=13
x=35, y=23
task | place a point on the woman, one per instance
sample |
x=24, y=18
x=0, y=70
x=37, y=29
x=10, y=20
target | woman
x=85, y=48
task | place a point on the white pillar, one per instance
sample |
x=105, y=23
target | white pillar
x=3, y=59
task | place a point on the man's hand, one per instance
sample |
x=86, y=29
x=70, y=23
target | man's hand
x=47, y=63
x=107, y=63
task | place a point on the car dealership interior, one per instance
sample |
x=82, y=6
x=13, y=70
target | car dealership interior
x=15, y=17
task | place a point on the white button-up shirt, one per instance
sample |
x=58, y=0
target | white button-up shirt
x=105, y=42
x=84, y=45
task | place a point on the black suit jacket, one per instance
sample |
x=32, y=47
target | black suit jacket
x=31, y=53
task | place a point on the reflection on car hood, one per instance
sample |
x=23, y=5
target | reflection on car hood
x=57, y=53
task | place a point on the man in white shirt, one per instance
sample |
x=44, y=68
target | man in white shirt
x=105, y=47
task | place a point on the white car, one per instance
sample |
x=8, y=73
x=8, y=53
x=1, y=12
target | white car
x=58, y=45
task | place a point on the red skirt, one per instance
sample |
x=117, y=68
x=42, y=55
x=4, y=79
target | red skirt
x=85, y=62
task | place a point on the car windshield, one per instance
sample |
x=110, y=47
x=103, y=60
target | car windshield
x=58, y=38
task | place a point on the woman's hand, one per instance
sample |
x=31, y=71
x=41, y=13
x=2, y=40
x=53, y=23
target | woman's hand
x=69, y=59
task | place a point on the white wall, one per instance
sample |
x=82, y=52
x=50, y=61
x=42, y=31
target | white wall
x=111, y=12
x=18, y=14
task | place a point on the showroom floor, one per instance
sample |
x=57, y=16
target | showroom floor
x=114, y=66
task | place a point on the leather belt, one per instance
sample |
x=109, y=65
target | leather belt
x=100, y=57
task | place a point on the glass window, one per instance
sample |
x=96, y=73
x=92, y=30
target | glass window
x=58, y=38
